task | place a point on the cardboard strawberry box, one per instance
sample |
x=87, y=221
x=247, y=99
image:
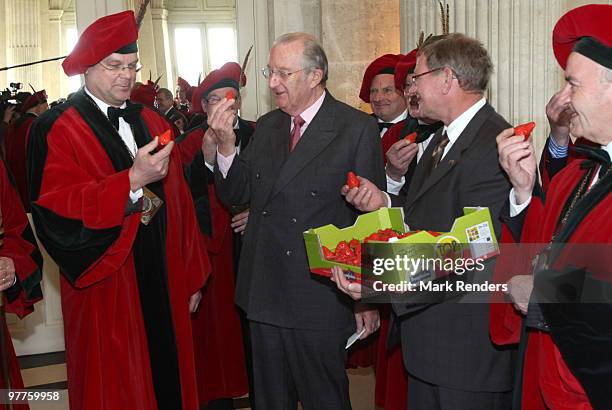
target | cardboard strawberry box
x=471, y=236
x=329, y=236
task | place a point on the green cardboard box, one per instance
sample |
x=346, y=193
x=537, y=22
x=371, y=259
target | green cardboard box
x=330, y=236
x=471, y=235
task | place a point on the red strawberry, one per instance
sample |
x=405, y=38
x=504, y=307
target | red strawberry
x=165, y=137
x=352, y=180
x=411, y=137
x=525, y=129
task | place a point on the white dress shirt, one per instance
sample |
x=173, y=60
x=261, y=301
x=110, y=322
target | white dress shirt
x=125, y=132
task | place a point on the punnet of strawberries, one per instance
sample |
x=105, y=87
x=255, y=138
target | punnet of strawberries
x=349, y=253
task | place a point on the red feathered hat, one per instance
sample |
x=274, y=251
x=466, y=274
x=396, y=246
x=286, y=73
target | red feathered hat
x=33, y=100
x=585, y=30
x=405, y=66
x=144, y=94
x=116, y=33
x=184, y=85
x=382, y=65
x=226, y=76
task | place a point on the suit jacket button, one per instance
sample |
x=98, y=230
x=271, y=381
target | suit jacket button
x=289, y=253
x=313, y=193
x=257, y=175
x=264, y=213
x=293, y=220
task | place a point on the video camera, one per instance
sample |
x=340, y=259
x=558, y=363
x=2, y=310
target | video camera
x=8, y=96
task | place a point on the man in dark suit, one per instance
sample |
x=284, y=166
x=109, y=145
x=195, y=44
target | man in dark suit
x=452, y=363
x=291, y=174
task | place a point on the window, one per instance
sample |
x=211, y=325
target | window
x=221, y=46
x=199, y=49
x=188, y=52
x=74, y=82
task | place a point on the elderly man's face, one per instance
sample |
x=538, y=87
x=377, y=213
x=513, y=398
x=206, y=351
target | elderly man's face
x=590, y=98
x=386, y=101
x=294, y=90
x=112, y=79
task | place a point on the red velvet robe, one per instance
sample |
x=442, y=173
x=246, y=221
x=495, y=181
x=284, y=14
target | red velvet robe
x=77, y=190
x=548, y=381
x=217, y=336
x=15, y=147
x=20, y=246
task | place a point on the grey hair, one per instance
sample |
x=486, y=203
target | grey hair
x=313, y=56
x=465, y=56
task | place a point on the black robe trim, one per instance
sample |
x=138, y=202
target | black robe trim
x=583, y=331
x=71, y=245
x=149, y=248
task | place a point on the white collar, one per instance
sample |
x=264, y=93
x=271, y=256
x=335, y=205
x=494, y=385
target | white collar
x=103, y=106
x=608, y=148
x=397, y=119
x=455, y=128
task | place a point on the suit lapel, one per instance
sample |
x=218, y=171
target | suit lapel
x=319, y=134
x=452, y=157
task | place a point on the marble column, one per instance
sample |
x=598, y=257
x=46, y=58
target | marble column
x=161, y=43
x=286, y=16
x=252, y=30
x=23, y=38
x=353, y=34
x=87, y=11
x=52, y=47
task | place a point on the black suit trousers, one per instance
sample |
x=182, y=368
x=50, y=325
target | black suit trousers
x=299, y=364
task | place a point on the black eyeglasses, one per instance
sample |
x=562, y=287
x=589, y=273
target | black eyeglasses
x=412, y=80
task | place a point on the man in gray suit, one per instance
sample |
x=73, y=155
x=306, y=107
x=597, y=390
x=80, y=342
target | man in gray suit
x=452, y=363
x=291, y=174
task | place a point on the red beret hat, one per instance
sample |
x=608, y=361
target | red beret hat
x=382, y=65
x=107, y=35
x=33, y=100
x=585, y=30
x=185, y=86
x=226, y=76
x=144, y=94
x=404, y=66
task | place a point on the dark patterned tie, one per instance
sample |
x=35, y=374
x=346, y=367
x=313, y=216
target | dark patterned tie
x=438, y=151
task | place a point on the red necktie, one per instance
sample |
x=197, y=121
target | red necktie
x=296, y=133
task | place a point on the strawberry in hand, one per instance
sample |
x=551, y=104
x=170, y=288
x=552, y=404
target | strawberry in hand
x=411, y=137
x=352, y=180
x=525, y=129
x=165, y=137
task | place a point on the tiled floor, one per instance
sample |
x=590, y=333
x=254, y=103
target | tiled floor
x=361, y=386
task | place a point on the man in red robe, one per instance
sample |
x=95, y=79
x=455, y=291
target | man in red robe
x=17, y=141
x=217, y=334
x=112, y=208
x=568, y=340
x=20, y=276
